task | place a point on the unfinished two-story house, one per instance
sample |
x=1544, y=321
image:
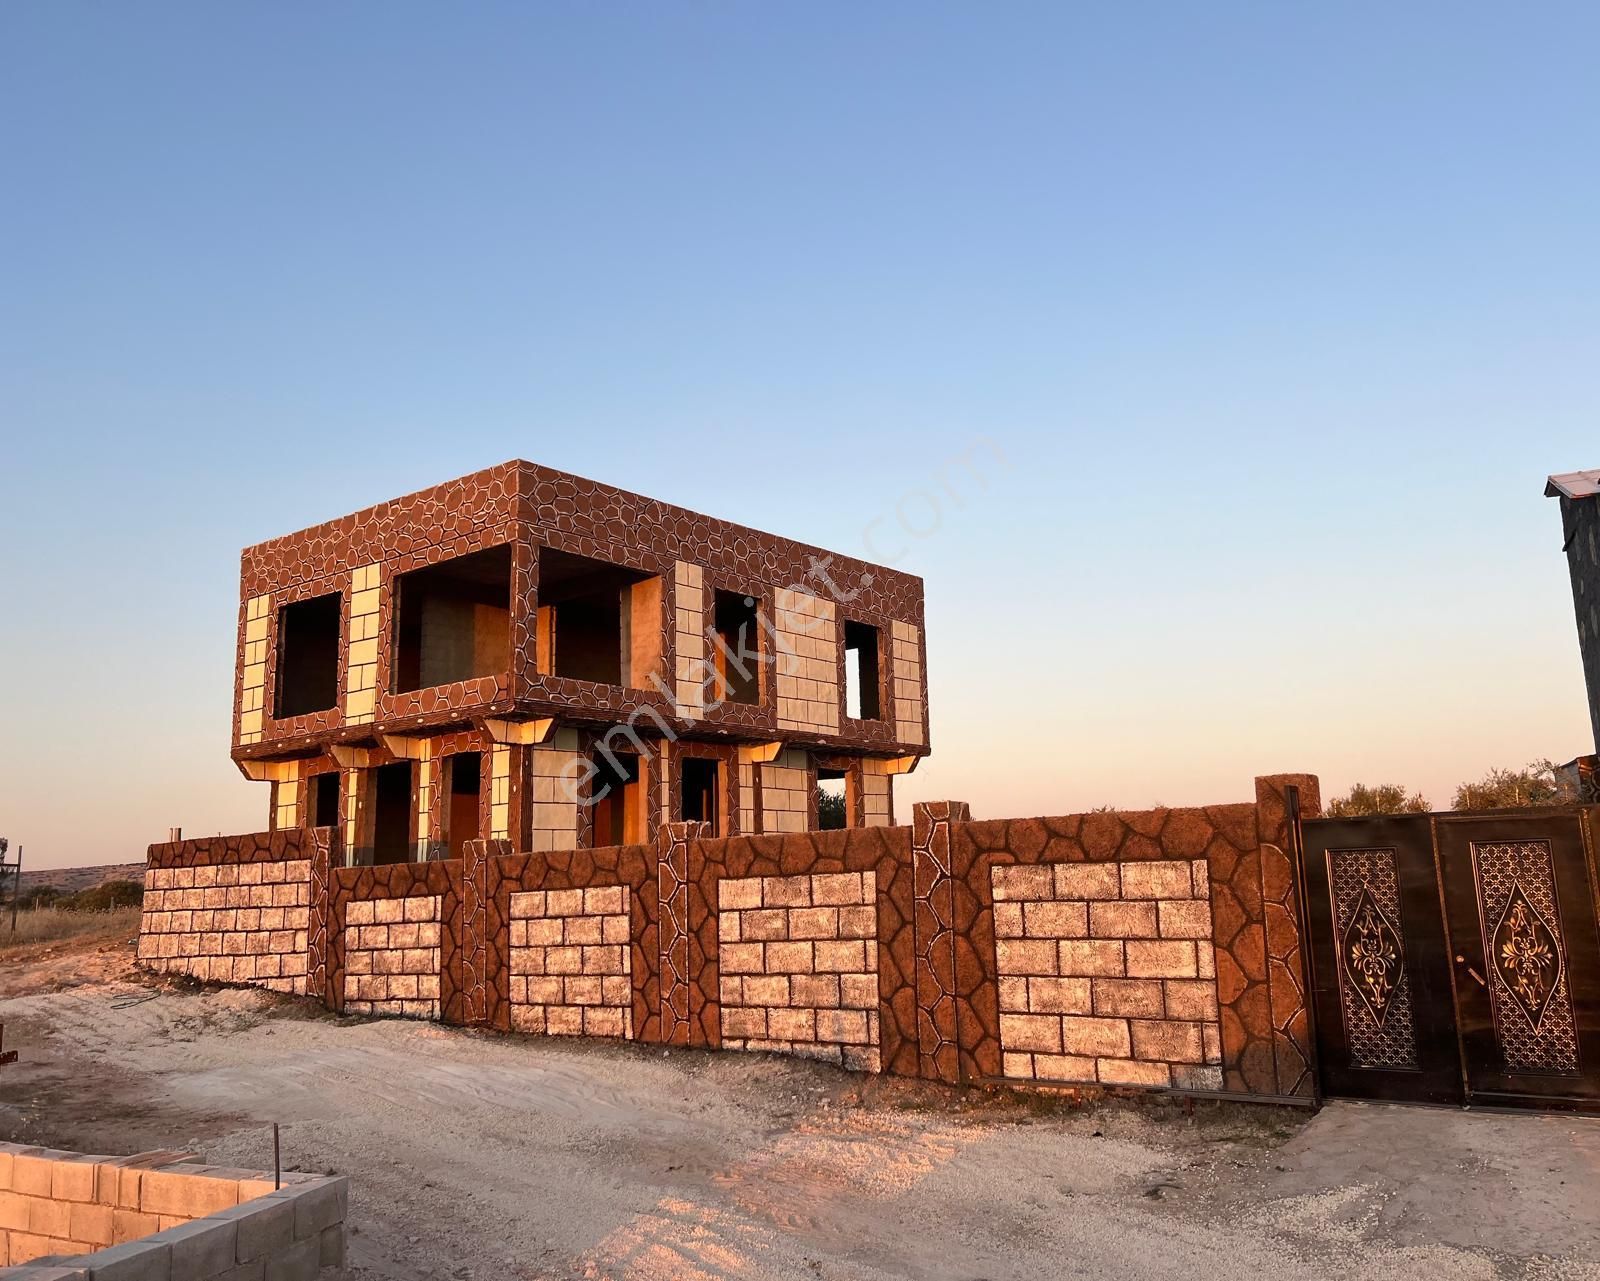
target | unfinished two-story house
x=525, y=655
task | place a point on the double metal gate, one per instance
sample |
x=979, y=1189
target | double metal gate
x=1455, y=958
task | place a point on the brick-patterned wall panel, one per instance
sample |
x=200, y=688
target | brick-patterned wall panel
x=1105, y=973
x=229, y=923
x=908, y=684
x=391, y=956
x=799, y=966
x=571, y=962
x=785, y=792
x=806, y=643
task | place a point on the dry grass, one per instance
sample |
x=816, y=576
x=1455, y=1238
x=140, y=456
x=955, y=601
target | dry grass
x=54, y=924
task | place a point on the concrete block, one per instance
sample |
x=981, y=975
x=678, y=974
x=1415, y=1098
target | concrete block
x=1086, y=881
x=1091, y=958
x=49, y=1218
x=201, y=1248
x=32, y=1173
x=6, y=1157
x=130, y=1225
x=320, y=1205
x=300, y=1262
x=91, y=1222
x=147, y=1260
x=14, y=1211
x=186, y=1192
x=331, y=1246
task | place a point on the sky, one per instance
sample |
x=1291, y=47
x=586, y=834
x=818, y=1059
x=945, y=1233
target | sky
x=1206, y=361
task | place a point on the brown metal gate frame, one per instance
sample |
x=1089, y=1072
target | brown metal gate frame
x=1454, y=958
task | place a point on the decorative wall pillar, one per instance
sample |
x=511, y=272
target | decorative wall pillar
x=1261, y=984
x=933, y=922
x=673, y=841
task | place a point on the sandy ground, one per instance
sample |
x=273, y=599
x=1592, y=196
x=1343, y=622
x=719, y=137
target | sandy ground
x=473, y=1155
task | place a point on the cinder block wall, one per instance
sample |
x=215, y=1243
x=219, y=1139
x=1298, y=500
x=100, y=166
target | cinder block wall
x=1156, y=948
x=160, y=1214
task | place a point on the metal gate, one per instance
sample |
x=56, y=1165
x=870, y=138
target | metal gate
x=1455, y=958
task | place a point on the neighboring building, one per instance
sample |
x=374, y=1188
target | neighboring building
x=1579, y=493
x=525, y=655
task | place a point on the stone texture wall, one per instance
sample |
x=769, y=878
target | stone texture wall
x=689, y=639
x=877, y=793
x=254, y=628
x=554, y=806
x=245, y=919
x=799, y=966
x=785, y=792
x=1106, y=974
x=571, y=962
x=391, y=956
x=908, y=688
x=1143, y=948
x=806, y=641
x=160, y=1214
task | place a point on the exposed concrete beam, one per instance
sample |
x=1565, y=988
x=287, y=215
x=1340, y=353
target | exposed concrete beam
x=519, y=733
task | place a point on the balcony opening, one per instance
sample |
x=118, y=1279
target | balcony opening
x=453, y=620
x=308, y=656
x=465, y=773
x=325, y=800
x=597, y=621
x=619, y=813
x=738, y=653
x=700, y=791
x=861, y=679
x=833, y=800
x=392, y=811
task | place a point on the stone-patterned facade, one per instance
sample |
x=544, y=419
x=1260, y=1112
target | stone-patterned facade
x=798, y=958
x=1106, y=973
x=571, y=962
x=666, y=705
x=1147, y=949
x=391, y=957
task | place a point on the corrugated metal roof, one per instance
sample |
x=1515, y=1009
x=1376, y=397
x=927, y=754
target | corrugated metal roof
x=1574, y=484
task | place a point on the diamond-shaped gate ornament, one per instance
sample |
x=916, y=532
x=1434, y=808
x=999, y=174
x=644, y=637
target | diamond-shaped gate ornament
x=1371, y=954
x=1527, y=955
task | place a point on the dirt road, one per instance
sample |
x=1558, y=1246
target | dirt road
x=475, y=1156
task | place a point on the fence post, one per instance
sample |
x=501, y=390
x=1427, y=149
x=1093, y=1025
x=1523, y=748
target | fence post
x=933, y=931
x=674, y=927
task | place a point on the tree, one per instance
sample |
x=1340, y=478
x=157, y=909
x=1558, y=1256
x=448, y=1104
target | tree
x=1382, y=798
x=1538, y=784
x=830, y=810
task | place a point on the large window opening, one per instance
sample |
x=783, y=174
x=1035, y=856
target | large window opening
x=597, y=621
x=391, y=813
x=861, y=679
x=308, y=656
x=325, y=800
x=833, y=800
x=619, y=811
x=700, y=791
x=453, y=621
x=737, y=656
x=465, y=772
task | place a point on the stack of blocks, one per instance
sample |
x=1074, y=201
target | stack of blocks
x=391, y=957
x=798, y=962
x=1107, y=974
x=229, y=923
x=571, y=962
x=159, y=1215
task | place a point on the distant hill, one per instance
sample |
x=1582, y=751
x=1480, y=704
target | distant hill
x=69, y=880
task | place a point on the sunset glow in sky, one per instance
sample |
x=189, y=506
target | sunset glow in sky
x=1205, y=361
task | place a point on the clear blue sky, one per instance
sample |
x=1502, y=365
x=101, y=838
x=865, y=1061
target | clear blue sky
x=1279, y=315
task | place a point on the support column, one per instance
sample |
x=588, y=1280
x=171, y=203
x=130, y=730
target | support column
x=672, y=842
x=933, y=930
